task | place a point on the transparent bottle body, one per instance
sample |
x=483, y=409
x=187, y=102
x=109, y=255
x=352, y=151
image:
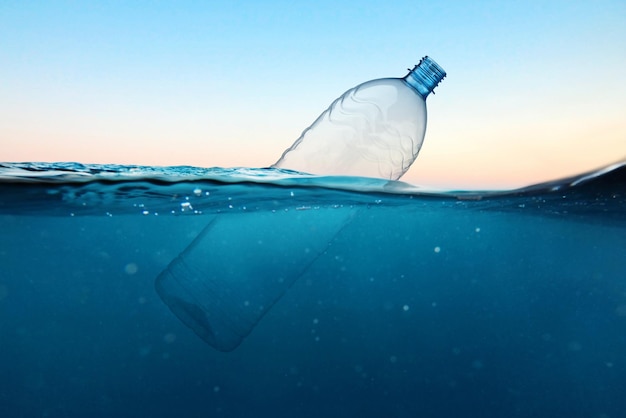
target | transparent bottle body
x=373, y=130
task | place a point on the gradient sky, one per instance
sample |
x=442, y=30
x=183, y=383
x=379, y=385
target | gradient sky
x=536, y=90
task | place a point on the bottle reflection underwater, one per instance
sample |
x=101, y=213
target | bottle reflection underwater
x=240, y=265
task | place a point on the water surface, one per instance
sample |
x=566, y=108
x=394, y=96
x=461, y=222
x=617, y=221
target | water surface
x=427, y=303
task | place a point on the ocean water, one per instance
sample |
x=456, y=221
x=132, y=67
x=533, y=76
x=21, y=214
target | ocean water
x=411, y=302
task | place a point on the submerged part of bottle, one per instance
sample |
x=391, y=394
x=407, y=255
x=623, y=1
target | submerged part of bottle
x=240, y=265
x=375, y=129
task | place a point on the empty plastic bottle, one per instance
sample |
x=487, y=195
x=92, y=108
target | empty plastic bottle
x=375, y=129
x=239, y=266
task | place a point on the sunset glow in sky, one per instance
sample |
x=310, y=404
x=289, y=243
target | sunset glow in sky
x=535, y=90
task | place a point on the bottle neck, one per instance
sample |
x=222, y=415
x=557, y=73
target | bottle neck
x=425, y=76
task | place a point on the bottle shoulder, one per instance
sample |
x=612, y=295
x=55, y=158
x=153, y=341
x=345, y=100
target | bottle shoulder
x=398, y=83
x=385, y=92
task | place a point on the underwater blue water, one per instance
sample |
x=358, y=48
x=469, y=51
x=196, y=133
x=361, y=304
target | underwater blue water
x=499, y=304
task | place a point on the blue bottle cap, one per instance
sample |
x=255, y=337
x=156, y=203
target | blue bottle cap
x=425, y=76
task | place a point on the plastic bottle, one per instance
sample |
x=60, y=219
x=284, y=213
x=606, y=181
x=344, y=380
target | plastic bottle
x=375, y=129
